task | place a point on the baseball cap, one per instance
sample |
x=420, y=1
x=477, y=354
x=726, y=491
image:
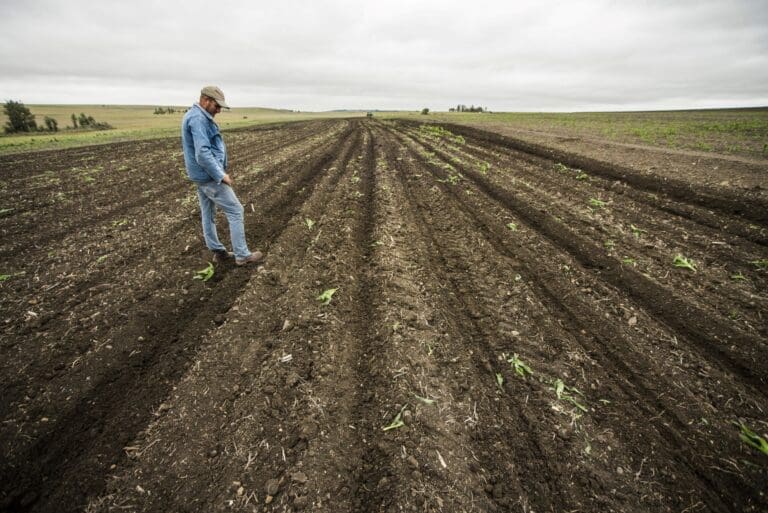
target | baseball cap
x=215, y=93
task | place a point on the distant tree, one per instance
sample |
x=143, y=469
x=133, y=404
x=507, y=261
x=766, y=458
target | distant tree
x=74, y=120
x=20, y=119
x=83, y=120
x=51, y=124
x=424, y=111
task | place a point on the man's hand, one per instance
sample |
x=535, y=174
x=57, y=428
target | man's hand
x=227, y=180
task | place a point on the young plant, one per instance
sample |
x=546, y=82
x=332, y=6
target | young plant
x=326, y=296
x=204, y=274
x=560, y=167
x=398, y=421
x=310, y=223
x=582, y=176
x=636, y=231
x=500, y=380
x=425, y=400
x=681, y=261
x=738, y=276
x=521, y=369
x=760, y=264
x=560, y=390
x=512, y=226
x=751, y=438
x=596, y=203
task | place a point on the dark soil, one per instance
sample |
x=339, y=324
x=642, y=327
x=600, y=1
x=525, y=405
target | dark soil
x=508, y=330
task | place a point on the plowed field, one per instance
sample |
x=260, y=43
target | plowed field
x=508, y=331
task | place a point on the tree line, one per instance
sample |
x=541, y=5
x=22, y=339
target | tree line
x=20, y=119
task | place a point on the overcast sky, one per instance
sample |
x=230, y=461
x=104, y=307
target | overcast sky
x=386, y=54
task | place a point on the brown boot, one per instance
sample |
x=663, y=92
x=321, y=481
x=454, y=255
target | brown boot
x=254, y=258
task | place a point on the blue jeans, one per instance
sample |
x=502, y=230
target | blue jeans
x=212, y=195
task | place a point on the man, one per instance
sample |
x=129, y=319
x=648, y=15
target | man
x=205, y=157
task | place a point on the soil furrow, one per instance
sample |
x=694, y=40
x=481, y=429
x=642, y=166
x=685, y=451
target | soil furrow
x=106, y=415
x=576, y=316
x=755, y=209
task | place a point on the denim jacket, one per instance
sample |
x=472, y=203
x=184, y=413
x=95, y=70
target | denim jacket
x=205, y=155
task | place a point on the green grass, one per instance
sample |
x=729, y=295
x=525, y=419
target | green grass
x=134, y=122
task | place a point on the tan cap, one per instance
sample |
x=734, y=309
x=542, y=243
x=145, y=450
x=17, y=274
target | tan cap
x=215, y=93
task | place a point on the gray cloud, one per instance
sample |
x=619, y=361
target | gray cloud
x=320, y=55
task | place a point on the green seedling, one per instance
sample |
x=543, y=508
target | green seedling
x=760, y=264
x=326, y=296
x=629, y=261
x=500, y=380
x=521, y=369
x=4, y=211
x=512, y=226
x=681, y=261
x=101, y=258
x=637, y=231
x=560, y=390
x=751, y=438
x=574, y=402
x=596, y=203
x=376, y=243
x=425, y=400
x=738, y=276
x=484, y=167
x=560, y=167
x=310, y=223
x=5, y=277
x=609, y=244
x=119, y=222
x=398, y=421
x=204, y=274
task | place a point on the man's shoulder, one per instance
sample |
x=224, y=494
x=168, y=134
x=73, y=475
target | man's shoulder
x=196, y=115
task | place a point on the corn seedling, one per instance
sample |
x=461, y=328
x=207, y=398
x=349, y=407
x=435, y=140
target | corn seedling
x=425, y=400
x=398, y=421
x=119, y=222
x=582, y=176
x=5, y=277
x=560, y=390
x=760, y=264
x=101, y=258
x=738, y=276
x=609, y=245
x=484, y=167
x=5, y=211
x=521, y=369
x=681, y=261
x=636, y=231
x=596, y=203
x=326, y=296
x=560, y=167
x=751, y=438
x=500, y=380
x=310, y=223
x=512, y=226
x=629, y=261
x=204, y=274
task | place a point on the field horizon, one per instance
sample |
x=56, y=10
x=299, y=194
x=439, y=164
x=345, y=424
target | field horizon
x=740, y=131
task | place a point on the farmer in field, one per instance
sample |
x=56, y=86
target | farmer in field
x=205, y=157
